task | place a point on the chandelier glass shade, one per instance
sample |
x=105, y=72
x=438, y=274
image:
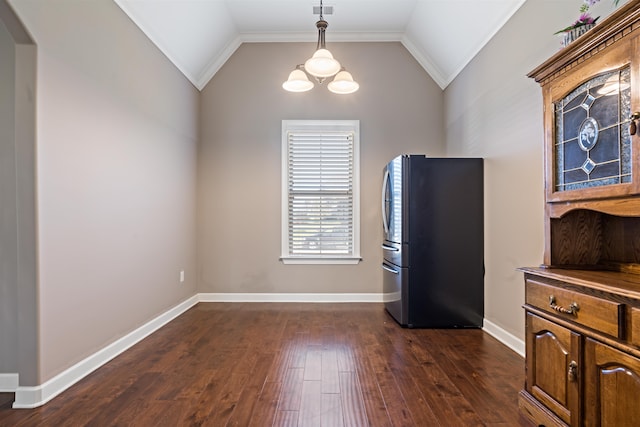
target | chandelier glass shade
x=298, y=82
x=343, y=83
x=321, y=65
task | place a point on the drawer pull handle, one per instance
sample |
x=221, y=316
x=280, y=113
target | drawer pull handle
x=573, y=307
x=573, y=371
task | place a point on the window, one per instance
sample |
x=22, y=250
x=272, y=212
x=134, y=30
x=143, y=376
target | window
x=320, y=191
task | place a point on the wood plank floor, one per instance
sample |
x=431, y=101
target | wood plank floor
x=286, y=364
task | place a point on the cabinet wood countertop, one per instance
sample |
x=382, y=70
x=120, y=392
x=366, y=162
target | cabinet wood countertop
x=613, y=282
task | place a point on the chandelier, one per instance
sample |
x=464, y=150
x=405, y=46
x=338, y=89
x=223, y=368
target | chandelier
x=321, y=65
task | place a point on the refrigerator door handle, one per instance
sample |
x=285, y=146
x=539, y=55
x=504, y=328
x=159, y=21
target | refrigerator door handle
x=390, y=248
x=389, y=268
x=384, y=210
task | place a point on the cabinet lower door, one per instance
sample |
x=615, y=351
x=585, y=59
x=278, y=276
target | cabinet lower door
x=612, y=387
x=553, y=370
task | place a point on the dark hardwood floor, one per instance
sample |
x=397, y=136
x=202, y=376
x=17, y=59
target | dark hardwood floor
x=286, y=364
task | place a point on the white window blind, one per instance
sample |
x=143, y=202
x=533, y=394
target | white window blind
x=321, y=193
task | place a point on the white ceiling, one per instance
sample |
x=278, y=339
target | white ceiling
x=198, y=36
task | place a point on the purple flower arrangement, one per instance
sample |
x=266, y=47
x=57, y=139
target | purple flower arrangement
x=585, y=17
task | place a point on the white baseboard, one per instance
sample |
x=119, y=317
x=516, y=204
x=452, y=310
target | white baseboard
x=8, y=383
x=31, y=397
x=506, y=338
x=288, y=297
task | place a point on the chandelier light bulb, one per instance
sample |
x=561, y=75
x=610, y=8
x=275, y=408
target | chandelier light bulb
x=343, y=83
x=322, y=64
x=297, y=82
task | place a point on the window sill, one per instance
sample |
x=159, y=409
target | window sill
x=320, y=260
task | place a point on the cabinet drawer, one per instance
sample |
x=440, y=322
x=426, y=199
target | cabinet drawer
x=635, y=326
x=594, y=312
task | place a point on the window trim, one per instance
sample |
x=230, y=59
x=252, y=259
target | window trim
x=320, y=126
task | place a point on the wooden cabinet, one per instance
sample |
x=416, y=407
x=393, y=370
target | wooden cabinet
x=612, y=386
x=589, y=98
x=592, y=168
x=582, y=363
x=582, y=306
x=552, y=359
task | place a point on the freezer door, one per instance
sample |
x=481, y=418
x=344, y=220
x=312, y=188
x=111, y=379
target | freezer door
x=395, y=292
x=392, y=182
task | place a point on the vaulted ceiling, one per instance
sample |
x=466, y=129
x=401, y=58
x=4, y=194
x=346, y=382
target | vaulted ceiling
x=198, y=36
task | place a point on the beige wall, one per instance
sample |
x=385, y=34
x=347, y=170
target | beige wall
x=116, y=164
x=18, y=286
x=493, y=110
x=25, y=138
x=8, y=219
x=400, y=111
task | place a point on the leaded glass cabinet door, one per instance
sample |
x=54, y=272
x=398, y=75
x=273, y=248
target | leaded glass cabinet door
x=591, y=153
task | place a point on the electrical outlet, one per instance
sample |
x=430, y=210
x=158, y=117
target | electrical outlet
x=181, y=276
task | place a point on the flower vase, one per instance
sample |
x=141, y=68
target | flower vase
x=574, y=33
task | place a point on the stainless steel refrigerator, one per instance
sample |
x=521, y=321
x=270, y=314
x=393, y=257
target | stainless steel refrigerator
x=433, y=245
